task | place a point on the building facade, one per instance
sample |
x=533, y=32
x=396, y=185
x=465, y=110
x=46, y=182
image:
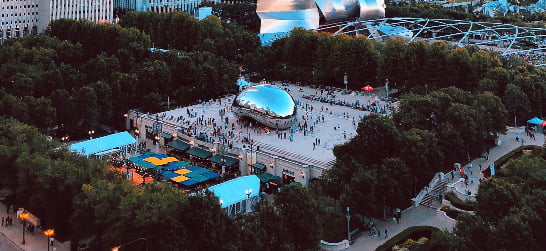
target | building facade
x=161, y=6
x=18, y=18
x=22, y=17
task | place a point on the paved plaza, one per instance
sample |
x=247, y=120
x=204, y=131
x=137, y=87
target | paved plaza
x=332, y=124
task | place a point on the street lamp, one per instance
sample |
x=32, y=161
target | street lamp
x=49, y=233
x=345, y=80
x=65, y=139
x=156, y=138
x=116, y=248
x=348, y=231
x=248, y=193
x=23, y=216
x=91, y=132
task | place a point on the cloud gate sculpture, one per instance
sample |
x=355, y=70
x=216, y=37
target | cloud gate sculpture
x=284, y=15
x=267, y=104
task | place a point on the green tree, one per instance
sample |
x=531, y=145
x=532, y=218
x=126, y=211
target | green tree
x=299, y=211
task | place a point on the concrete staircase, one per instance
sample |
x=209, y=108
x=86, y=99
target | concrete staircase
x=430, y=200
x=294, y=156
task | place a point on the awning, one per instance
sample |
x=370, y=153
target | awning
x=227, y=161
x=259, y=166
x=179, y=145
x=166, y=135
x=198, y=152
x=266, y=177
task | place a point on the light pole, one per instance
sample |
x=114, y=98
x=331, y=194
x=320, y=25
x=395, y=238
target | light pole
x=65, y=139
x=49, y=233
x=23, y=216
x=348, y=219
x=248, y=193
x=156, y=138
x=387, y=87
x=91, y=132
x=345, y=81
x=137, y=133
x=116, y=248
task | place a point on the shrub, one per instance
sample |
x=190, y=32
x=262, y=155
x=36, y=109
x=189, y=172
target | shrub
x=458, y=203
x=408, y=235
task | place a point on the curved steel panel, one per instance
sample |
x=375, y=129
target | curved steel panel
x=267, y=104
x=338, y=10
x=284, y=15
x=372, y=9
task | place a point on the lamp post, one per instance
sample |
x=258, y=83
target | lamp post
x=251, y=149
x=49, y=233
x=348, y=219
x=23, y=216
x=137, y=133
x=116, y=248
x=156, y=138
x=65, y=139
x=91, y=132
x=248, y=193
x=345, y=81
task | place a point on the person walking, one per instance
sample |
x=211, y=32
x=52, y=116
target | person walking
x=2, y=221
x=386, y=234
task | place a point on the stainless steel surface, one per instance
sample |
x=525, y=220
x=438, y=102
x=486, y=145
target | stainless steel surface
x=267, y=104
x=338, y=10
x=372, y=9
x=285, y=15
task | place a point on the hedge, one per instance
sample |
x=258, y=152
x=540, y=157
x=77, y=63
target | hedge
x=413, y=233
x=458, y=203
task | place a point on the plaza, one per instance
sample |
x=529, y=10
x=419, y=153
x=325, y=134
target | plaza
x=325, y=118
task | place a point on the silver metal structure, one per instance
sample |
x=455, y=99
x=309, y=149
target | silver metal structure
x=338, y=10
x=506, y=39
x=267, y=104
x=284, y=15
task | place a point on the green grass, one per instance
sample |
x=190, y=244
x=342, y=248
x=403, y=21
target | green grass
x=413, y=233
x=458, y=203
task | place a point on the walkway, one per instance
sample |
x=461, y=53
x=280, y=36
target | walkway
x=12, y=236
x=424, y=216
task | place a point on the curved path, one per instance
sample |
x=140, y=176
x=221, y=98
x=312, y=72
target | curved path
x=424, y=216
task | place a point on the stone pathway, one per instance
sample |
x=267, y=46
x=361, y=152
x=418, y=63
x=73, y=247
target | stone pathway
x=424, y=216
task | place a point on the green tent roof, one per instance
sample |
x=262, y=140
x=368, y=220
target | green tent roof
x=266, y=177
x=179, y=145
x=259, y=166
x=198, y=152
x=228, y=161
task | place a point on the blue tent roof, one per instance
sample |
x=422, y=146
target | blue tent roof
x=535, y=121
x=169, y=174
x=233, y=191
x=103, y=144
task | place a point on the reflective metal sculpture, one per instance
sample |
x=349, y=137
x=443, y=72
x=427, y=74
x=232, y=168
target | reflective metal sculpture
x=267, y=104
x=278, y=17
x=372, y=9
x=338, y=10
x=284, y=15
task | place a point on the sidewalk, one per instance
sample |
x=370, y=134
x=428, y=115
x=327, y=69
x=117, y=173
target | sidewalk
x=507, y=144
x=424, y=216
x=33, y=242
